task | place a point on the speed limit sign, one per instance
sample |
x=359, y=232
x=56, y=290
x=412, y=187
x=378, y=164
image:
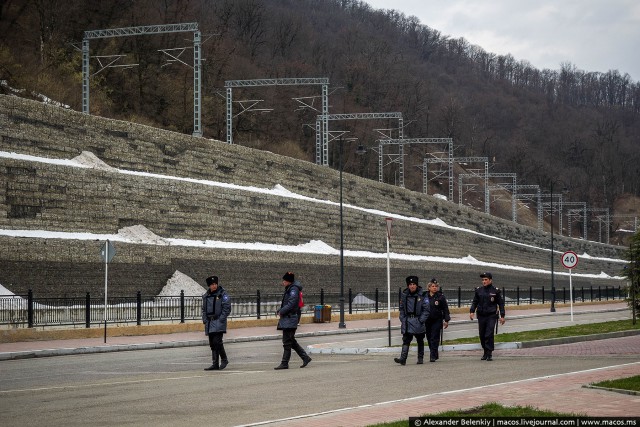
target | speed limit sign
x=569, y=259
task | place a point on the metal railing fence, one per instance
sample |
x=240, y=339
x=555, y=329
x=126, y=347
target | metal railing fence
x=31, y=311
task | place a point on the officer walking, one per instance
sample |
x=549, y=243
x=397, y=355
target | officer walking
x=216, y=307
x=439, y=317
x=288, y=322
x=414, y=310
x=488, y=302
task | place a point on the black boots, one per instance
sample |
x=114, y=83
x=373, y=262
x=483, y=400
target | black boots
x=214, y=358
x=403, y=356
x=303, y=355
x=305, y=361
x=286, y=355
x=487, y=356
x=420, y=353
x=223, y=358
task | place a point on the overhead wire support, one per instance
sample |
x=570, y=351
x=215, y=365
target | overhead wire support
x=146, y=30
x=322, y=138
x=289, y=81
x=450, y=161
x=399, y=158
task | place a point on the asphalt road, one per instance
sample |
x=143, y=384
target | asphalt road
x=169, y=387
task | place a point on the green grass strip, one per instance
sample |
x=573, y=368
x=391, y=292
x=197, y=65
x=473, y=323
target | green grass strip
x=488, y=410
x=630, y=383
x=563, y=332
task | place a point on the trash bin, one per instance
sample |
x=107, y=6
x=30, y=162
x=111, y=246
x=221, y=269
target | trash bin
x=317, y=314
x=326, y=313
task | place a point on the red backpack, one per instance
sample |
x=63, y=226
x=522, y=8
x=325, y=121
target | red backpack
x=300, y=301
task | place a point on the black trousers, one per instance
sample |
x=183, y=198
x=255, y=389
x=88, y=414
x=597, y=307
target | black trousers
x=216, y=344
x=289, y=343
x=407, y=338
x=486, y=328
x=433, y=334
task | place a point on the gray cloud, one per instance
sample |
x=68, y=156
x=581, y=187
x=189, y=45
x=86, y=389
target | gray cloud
x=593, y=35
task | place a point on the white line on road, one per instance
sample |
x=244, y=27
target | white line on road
x=226, y=372
x=426, y=396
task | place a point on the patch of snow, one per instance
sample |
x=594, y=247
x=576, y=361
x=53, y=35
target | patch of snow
x=87, y=158
x=141, y=234
x=5, y=292
x=181, y=282
x=440, y=196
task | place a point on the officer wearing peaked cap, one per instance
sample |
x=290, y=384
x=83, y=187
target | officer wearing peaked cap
x=488, y=304
x=216, y=307
x=414, y=310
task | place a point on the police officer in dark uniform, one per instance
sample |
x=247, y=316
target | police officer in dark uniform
x=414, y=310
x=488, y=302
x=439, y=317
x=216, y=307
x=288, y=322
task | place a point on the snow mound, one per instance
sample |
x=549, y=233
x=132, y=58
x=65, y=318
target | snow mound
x=87, y=158
x=5, y=292
x=140, y=234
x=440, y=196
x=181, y=282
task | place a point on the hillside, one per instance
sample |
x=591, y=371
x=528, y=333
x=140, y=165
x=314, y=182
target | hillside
x=576, y=128
x=172, y=202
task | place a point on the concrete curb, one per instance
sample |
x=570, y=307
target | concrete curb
x=615, y=390
x=315, y=349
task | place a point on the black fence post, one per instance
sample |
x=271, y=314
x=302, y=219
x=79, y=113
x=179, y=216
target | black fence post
x=181, y=305
x=377, y=298
x=582, y=292
x=459, y=297
x=591, y=293
x=350, y=300
x=87, y=311
x=322, y=296
x=258, y=302
x=564, y=295
x=619, y=292
x=599, y=294
x=30, y=308
x=138, y=308
x=518, y=295
x=530, y=295
x=606, y=293
x=543, y=294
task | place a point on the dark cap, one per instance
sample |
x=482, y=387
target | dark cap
x=211, y=280
x=412, y=279
x=487, y=275
x=433, y=280
x=289, y=277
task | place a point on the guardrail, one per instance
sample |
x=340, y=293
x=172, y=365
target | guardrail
x=31, y=311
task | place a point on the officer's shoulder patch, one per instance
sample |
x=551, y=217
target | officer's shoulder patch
x=292, y=293
x=225, y=298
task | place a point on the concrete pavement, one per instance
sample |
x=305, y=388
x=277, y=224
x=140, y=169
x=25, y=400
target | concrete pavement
x=264, y=330
x=563, y=393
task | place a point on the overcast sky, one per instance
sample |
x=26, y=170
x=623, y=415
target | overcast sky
x=593, y=35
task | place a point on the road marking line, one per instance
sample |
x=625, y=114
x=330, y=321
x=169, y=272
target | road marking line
x=408, y=399
x=124, y=382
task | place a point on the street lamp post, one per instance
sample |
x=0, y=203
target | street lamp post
x=553, y=283
x=341, y=325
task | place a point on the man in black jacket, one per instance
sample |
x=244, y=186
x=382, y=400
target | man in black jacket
x=439, y=318
x=216, y=307
x=288, y=321
x=487, y=301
